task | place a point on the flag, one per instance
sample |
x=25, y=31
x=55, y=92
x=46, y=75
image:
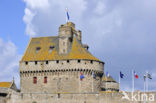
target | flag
x=136, y=76
x=149, y=76
x=67, y=14
x=93, y=75
x=144, y=77
x=107, y=74
x=81, y=76
x=121, y=75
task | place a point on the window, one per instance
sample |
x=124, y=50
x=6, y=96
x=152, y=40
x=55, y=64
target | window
x=63, y=43
x=26, y=63
x=64, y=50
x=35, y=62
x=51, y=49
x=37, y=49
x=67, y=61
x=35, y=80
x=46, y=62
x=45, y=80
x=57, y=61
x=91, y=62
x=79, y=61
x=59, y=95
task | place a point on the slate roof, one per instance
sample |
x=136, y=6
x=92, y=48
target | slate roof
x=44, y=43
x=5, y=84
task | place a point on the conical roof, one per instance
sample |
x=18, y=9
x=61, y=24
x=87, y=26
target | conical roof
x=108, y=79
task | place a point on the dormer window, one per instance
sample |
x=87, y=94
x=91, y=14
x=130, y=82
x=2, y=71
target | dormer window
x=37, y=49
x=51, y=49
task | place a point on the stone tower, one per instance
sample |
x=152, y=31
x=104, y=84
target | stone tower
x=56, y=64
x=65, y=37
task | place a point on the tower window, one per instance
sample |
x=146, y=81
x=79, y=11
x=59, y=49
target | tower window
x=59, y=95
x=45, y=80
x=35, y=62
x=26, y=63
x=57, y=61
x=64, y=43
x=79, y=61
x=64, y=50
x=35, y=80
x=46, y=62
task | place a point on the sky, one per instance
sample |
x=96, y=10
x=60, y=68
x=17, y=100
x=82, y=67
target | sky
x=119, y=32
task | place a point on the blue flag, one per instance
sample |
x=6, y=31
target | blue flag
x=81, y=76
x=121, y=75
x=67, y=14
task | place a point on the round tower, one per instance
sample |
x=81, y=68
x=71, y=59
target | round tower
x=60, y=64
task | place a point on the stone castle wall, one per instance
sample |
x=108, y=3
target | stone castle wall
x=110, y=86
x=116, y=97
x=62, y=76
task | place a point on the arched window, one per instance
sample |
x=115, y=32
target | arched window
x=35, y=80
x=45, y=80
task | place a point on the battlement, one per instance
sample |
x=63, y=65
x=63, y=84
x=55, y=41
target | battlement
x=62, y=76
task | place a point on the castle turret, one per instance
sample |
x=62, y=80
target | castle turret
x=65, y=37
x=79, y=35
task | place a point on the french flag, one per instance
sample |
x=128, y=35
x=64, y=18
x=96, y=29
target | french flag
x=136, y=76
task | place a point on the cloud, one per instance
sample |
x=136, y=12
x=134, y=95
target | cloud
x=9, y=62
x=121, y=33
x=41, y=15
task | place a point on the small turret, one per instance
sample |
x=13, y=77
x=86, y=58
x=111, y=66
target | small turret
x=65, y=37
x=79, y=35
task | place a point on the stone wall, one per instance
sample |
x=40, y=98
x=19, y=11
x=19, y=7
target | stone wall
x=113, y=86
x=62, y=76
x=116, y=97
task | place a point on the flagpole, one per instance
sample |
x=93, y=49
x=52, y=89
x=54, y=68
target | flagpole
x=66, y=15
x=79, y=82
x=106, y=82
x=132, y=82
x=92, y=82
x=119, y=81
x=147, y=81
x=144, y=87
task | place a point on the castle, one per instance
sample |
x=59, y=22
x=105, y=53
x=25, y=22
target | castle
x=60, y=69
